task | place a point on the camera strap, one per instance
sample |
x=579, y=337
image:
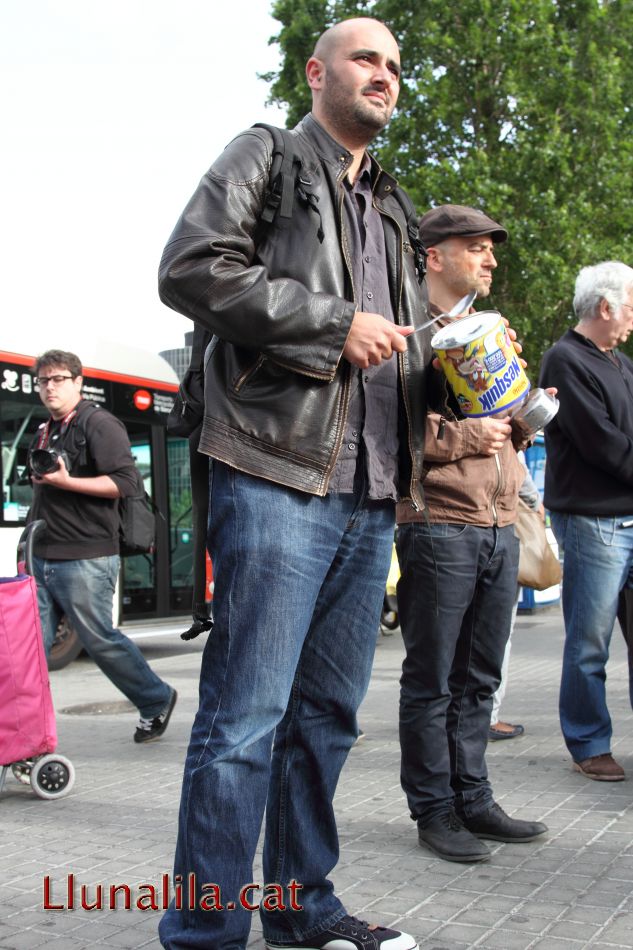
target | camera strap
x=42, y=442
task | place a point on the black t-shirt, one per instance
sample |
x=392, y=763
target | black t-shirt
x=78, y=525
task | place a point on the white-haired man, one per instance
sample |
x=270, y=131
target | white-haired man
x=589, y=491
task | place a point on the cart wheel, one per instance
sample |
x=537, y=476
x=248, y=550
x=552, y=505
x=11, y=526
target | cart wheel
x=52, y=776
x=22, y=771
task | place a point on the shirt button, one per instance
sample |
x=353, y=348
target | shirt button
x=367, y=259
x=351, y=446
x=366, y=379
x=370, y=296
x=355, y=434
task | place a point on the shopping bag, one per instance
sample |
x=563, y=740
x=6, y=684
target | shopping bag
x=539, y=567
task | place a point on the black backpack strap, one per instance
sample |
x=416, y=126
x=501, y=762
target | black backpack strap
x=413, y=232
x=199, y=343
x=75, y=440
x=286, y=178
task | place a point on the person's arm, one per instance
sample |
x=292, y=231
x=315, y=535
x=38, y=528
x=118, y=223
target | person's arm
x=102, y=486
x=209, y=271
x=447, y=440
x=528, y=492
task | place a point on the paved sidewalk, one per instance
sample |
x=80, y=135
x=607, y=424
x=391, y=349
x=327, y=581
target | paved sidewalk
x=570, y=890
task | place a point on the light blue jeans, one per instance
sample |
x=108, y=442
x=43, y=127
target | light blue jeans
x=83, y=590
x=299, y=584
x=597, y=565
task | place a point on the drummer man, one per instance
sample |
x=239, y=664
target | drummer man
x=459, y=561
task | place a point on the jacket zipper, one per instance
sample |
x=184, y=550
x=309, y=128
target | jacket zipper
x=497, y=491
x=405, y=394
x=346, y=381
x=246, y=375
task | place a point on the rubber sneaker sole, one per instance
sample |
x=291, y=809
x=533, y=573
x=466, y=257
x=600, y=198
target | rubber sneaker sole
x=349, y=933
x=155, y=733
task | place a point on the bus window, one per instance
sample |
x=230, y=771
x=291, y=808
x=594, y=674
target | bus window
x=138, y=572
x=17, y=425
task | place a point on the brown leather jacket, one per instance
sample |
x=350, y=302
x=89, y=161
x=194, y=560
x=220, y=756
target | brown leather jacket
x=280, y=307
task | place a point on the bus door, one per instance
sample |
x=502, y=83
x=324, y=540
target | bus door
x=160, y=584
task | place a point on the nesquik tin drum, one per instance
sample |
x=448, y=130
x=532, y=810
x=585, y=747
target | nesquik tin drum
x=480, y=364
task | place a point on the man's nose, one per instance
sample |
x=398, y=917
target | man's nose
x=382, y=74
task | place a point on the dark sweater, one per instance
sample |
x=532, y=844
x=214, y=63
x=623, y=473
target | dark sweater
x=589, y=468
x=77, y=525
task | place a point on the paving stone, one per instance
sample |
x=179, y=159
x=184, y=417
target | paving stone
x=119, y=823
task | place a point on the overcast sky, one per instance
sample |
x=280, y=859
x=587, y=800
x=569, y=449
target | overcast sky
x=111, y=111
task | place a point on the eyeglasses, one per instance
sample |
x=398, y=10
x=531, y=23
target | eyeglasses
x=44, y=381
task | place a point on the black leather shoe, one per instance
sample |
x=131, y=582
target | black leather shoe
x=446, y=836
x=495, y=825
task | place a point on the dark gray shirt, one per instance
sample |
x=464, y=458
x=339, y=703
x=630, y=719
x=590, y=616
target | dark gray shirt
x=371, y=432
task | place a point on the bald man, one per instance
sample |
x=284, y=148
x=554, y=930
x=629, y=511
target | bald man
x=315, y=408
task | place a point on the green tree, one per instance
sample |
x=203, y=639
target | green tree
x=520, y=107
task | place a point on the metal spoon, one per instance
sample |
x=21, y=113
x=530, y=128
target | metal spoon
x=460, y=307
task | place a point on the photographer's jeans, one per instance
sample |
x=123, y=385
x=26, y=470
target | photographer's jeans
x=83, y=590
x=299, y=584
x=597, y=565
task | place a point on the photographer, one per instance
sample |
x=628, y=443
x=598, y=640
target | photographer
x=81, y=464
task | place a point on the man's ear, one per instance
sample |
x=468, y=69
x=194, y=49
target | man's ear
x=314, y=72
x=605, y=309
x=434, y=259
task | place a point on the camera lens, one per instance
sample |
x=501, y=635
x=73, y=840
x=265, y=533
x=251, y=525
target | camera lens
x=43, y=461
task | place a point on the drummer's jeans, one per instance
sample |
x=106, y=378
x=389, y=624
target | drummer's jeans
x=299, y=586
x=83, y=590
x=597, y=565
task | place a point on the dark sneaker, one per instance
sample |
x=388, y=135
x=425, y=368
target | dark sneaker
x=150, y=729
x=601, y=768
x=351, y=934
x=446, y=836
x=495, y=825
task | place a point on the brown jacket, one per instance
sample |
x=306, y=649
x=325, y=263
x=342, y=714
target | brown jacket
x=461, y=486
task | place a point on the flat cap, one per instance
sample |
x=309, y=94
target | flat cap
x=448, y=221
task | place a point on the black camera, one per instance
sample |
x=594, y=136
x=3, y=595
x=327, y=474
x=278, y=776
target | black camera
x=45, y=461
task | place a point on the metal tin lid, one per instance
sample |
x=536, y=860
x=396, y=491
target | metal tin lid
x=465, y=330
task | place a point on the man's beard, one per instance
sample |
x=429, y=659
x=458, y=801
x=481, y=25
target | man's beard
x=462, y=284
x=370, y=116
x=360, y=119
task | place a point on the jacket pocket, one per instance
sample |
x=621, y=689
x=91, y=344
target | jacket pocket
x=244, y=378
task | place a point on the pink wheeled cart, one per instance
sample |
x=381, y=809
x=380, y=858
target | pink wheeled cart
x=28, y=735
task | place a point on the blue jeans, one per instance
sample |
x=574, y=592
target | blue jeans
x=299, y=584
x=83, y=590
x=456, y=595
x=597, y=565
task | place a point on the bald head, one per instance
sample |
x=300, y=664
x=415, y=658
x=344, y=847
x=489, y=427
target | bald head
x=328, y=42
x=354, y=75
